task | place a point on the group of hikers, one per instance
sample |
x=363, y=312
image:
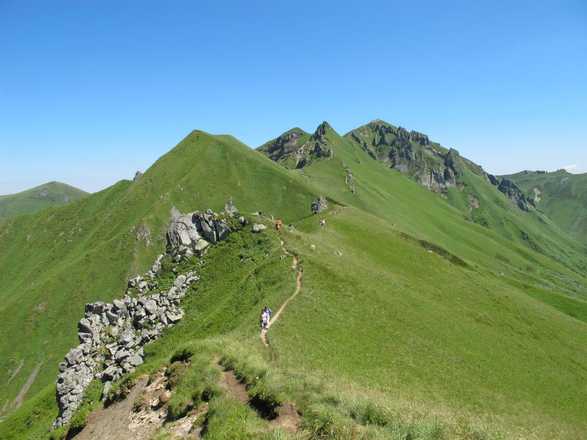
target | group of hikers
x=265, y=318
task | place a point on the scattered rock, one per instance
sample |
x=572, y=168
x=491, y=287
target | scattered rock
x=319, y=205
x=230, y=209
x=349, y=180
x=112, y=335
x=144, y=234
x=258, y=227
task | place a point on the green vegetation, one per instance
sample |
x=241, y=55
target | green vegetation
x=38, y=198
x=420, y=316
x=562, y=196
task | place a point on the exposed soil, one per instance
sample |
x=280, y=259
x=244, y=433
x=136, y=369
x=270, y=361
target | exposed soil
x=117, y=422
x=233, y=387
x=288, y=418
x=141, y=415
x=285, y=416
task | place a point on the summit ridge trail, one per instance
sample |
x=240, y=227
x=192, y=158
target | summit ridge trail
x=299, y=275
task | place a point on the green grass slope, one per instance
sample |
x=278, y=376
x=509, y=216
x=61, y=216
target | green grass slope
x=54, y=262
x=510, y=242
x=38, y=198
x=562, y=196
x=414, y=320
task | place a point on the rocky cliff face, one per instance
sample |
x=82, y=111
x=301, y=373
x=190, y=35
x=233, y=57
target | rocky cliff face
x=427, y=162
x=511, y=191
x=285, y=145
x=296, y=149
x=112, y=335
x=409, y=152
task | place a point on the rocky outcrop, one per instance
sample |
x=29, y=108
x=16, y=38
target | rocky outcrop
x=409, y=152
x=512, y=192
x=319, y=205
x=112, y=335
x=314, y=148
x=515, y=194
x=434, y=167
x=285, y=145
x=297, y=149
x=349, y=180
x=190, y=234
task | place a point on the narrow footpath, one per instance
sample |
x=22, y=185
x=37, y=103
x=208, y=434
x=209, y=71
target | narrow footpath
x=299, y=275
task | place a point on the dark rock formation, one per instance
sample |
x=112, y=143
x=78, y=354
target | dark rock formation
x=515, y=194
x=297, y=149
x=512, y=192
x=319, y=205
x=314, y=148
x=285, y=145
x=409, y=152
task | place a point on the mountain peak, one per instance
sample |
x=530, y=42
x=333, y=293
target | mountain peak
x=324, y=125
x=379, y=123
x=295, y=148
x=35, y=199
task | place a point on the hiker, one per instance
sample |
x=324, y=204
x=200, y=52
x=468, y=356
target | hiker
x=265, y=318
x=267, y=310
x=323, y=222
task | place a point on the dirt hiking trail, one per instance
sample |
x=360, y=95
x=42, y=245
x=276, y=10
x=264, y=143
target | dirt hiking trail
x=299, y=275
x=285, y=416
x=141, y=415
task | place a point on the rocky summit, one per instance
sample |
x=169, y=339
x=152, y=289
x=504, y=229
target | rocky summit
x=297, y=149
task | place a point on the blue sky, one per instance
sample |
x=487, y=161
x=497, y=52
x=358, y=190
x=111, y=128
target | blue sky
x=92, y=91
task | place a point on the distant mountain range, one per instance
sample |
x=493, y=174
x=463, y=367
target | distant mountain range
x=38, y=198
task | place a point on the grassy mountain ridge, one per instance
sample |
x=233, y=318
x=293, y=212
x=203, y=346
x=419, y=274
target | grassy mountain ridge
x=38, y=198
x=475, y=198
x=407, y=299
x=52, y=263
x=560, y=195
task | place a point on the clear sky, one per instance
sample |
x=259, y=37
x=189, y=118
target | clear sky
x=91, y=91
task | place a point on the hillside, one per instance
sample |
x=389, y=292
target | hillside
x=38, y=198
x=418, y=317
x=562, y=196
x=85, y=251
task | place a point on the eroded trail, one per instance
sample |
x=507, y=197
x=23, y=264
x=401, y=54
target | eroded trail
x=299, y=275
x=284, y=416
